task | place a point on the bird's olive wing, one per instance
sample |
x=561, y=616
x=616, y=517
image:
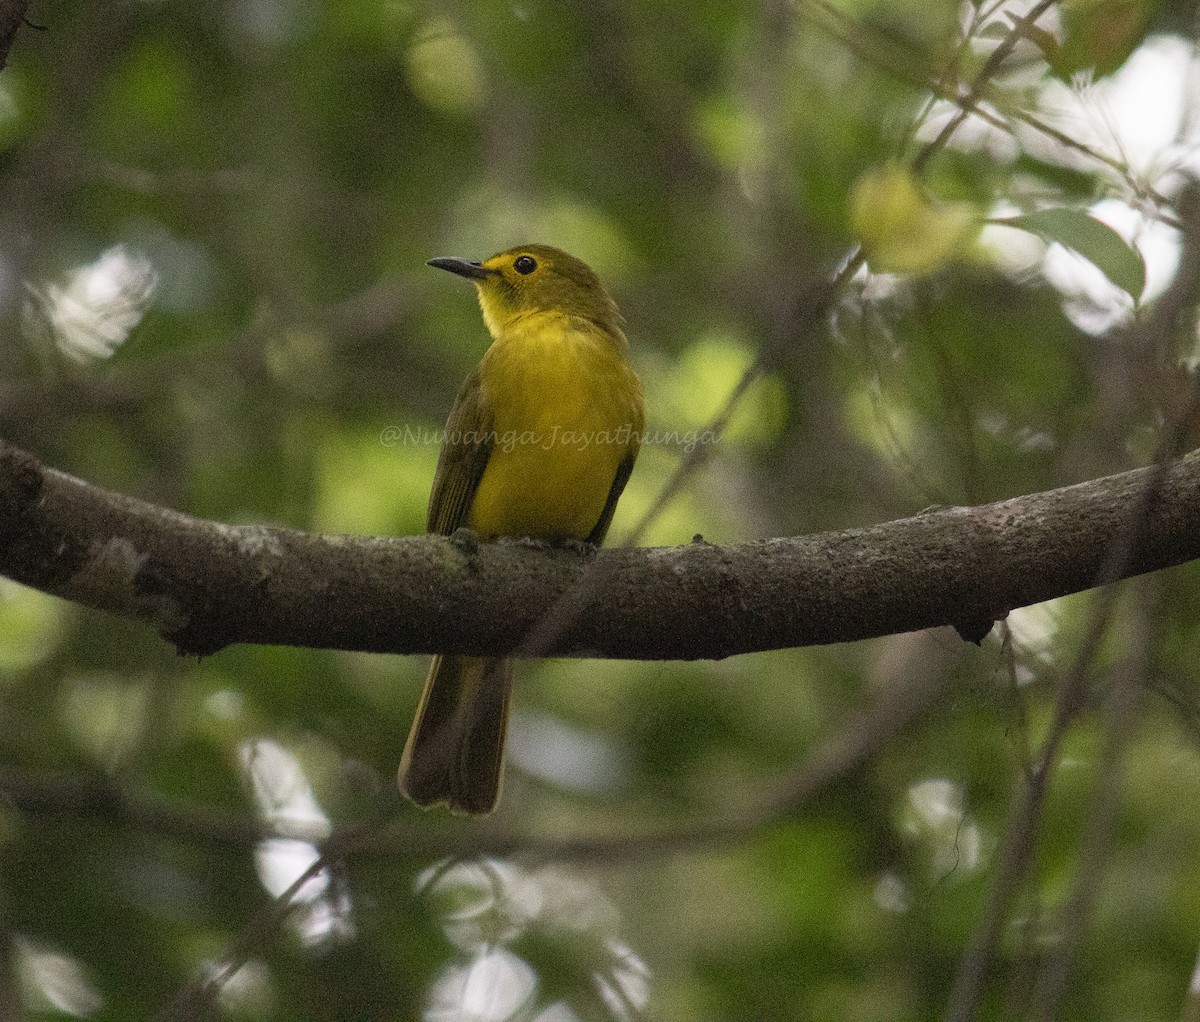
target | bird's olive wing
x=614, y=494
x=466, y=448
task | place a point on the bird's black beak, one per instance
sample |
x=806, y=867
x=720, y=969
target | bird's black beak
x=463, y=267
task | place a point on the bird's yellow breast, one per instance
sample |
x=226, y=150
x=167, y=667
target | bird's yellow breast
x=566, y=410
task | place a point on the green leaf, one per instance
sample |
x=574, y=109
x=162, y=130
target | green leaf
x=1099, y=35
x=1098, y=243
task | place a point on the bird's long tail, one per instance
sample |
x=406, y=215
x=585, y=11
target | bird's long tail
x=455, y=750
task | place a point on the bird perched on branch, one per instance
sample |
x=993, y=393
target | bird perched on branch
x=540, y=443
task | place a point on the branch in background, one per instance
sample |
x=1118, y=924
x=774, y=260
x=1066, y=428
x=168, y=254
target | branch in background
x=205, y=585
x=851, y=745
x=39, y=793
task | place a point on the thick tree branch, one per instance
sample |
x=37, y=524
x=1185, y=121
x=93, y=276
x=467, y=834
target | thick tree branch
x=205, y=585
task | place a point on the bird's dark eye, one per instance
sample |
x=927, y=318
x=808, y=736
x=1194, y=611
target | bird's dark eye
x=525, y=265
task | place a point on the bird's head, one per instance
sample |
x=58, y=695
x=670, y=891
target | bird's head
x=530, y=279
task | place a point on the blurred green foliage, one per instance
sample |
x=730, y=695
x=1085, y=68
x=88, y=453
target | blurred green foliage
x=275, y=174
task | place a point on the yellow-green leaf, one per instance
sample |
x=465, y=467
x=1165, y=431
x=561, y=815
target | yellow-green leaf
x=903, y=230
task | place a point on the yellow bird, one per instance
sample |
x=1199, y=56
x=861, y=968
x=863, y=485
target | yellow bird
x=540, y=442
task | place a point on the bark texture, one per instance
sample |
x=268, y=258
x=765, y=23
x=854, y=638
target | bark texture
x=205, y=585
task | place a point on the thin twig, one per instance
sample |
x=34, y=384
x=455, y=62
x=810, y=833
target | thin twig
x=1016, y=700
x=1015, y=850
x=196, y=999
x=805, y=315
x=1121, y=709
x=968, y=102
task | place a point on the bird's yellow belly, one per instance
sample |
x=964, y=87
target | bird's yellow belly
x=544, y=488
x=570, y=411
